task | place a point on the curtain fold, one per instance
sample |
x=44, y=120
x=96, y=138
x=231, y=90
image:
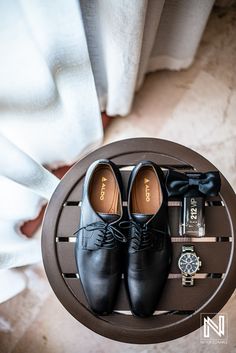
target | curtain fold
x=127, y=39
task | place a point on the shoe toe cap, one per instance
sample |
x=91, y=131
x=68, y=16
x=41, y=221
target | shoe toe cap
x=143, y=296
x=101, y=294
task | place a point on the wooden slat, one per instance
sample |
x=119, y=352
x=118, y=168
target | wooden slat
x=76, y=193
x=75, y=286
x=66, y=257
x=139, y=323
x=69, y=221
x=213, y=214
x=160, y=159
x=174, y=296
x=214, y=256
x=123, y=305
x=70, y=216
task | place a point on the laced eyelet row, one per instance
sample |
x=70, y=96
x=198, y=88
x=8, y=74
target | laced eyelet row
x=140, y=235
x=107, y=234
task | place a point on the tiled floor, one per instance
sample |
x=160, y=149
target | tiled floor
x=195, y=107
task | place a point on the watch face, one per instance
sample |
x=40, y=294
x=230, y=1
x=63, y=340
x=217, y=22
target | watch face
x=188, y=263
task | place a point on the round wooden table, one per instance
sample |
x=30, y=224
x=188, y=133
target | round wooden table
x=179, y=309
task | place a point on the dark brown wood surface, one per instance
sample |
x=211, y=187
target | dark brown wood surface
x=174, y=296
x=69, y=221
x=179, y=308
x=219, y=250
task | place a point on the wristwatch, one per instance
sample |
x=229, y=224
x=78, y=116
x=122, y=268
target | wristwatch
x=189, y=263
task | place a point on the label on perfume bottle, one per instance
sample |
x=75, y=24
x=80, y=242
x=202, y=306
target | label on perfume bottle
x=193, y=222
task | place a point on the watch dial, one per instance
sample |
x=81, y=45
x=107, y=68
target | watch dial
x=188, y=263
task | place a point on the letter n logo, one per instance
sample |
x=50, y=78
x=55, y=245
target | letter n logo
x=219, y=328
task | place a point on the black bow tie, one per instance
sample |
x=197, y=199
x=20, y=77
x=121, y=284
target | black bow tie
x=179, y=183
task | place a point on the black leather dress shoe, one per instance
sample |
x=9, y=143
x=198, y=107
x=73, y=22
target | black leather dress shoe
x=98, y=247
x=149, y=245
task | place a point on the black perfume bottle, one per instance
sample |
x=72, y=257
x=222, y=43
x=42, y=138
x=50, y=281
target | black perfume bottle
x=192, y=217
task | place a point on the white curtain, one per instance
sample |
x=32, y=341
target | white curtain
x=61, y=63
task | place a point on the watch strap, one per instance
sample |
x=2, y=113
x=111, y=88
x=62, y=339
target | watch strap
x=187, y=248
x=187, y=281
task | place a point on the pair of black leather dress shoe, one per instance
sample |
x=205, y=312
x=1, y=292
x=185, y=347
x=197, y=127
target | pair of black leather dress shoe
x=110, y=242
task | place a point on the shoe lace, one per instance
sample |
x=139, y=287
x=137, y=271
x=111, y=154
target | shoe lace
x=140, y=235
x=107, y=235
